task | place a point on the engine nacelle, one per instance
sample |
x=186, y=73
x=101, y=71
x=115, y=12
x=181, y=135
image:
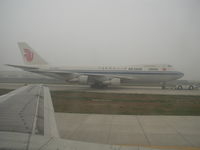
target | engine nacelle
x=83, y=79
x=80, y=79
x=114, y=81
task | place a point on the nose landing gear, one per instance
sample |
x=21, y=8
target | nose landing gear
x=163, y=85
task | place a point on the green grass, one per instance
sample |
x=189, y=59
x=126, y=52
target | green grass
x=133, y=104
x=129, y=104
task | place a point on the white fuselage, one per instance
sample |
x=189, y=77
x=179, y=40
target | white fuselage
x=134, y=74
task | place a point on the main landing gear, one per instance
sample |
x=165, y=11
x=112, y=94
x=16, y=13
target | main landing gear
x=99, y=86
x=163, y=86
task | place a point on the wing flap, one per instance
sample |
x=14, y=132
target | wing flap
x=17, y=111
x=49, y=120
x=28, y=110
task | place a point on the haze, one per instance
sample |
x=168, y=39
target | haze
x=104, y=32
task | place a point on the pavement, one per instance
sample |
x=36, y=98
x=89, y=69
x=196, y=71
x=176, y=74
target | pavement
x=132, y=130
x=117, y=89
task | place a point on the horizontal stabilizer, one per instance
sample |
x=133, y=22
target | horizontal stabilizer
x=22, y=67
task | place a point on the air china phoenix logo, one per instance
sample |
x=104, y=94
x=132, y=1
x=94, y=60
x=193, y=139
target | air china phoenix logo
x=28, y=55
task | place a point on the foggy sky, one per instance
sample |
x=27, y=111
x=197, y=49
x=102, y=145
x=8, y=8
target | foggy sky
x=104, y=32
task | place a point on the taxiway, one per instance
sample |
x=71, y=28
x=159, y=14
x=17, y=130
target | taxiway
x=155, y=131
x=119, y=89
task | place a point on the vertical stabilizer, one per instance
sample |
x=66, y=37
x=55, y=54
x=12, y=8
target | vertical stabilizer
x=30, y=57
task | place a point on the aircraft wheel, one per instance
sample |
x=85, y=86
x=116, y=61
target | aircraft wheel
x=191, y=87
x=163, y=87
x=180, y=87
x=93, y=85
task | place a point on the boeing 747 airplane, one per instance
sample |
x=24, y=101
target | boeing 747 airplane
x=101, y=76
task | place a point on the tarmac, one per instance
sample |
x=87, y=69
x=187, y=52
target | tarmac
x=117, y=89
x=171, y=132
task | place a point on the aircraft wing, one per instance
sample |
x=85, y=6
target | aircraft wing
x=62, y=75
x=24, y=113
x=69, y=75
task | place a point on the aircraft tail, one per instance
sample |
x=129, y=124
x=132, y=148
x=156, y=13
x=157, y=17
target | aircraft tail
x=30, y=57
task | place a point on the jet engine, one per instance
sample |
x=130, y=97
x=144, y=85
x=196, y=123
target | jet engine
x=83, y=79
x=113, y=81
x=80, y=79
